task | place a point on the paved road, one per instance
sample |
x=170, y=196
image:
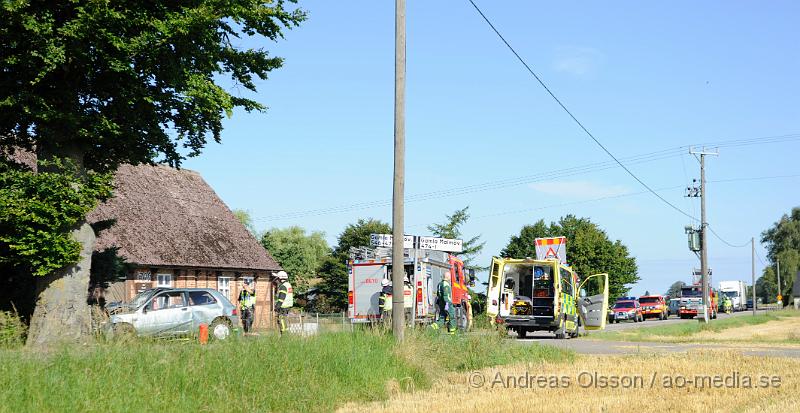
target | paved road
x=589, y=346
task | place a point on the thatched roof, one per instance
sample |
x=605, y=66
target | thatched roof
x=170, y=217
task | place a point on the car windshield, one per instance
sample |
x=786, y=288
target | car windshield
x=648, y=300
x=691, y=292
x=731, y=294
x=141, y=298
x=624, y=304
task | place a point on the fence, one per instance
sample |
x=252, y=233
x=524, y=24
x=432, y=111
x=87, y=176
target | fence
x=308, y=324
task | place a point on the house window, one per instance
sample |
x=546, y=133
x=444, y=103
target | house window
x=224, y=286
x=164, y=280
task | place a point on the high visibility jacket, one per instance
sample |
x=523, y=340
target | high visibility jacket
x=384, y=299
x=285, y=296
x=247, y=299
x=444, y=293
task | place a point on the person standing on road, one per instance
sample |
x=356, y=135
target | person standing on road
x=444, y=301
x=384, y=299
x=247, y=305
x=284, y=299
x=468, y=303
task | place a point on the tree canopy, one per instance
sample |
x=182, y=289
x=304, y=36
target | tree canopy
x=674, y=290
x=39, y=210
x=589, y=250
x=357, y=235
x=124, y=81
x=246, y=220
x=782, y=241
x=451, y=228
x=299, y=254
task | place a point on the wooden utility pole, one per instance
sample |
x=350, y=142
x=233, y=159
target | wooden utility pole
x=778, y=271
x=704, y=233
x=753, y=261
x=398, y=310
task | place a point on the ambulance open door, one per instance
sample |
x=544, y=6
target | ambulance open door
x=494, y=288
x=594, y=308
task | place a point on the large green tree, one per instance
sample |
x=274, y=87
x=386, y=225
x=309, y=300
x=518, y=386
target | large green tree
x=782, y=241
x=109, y=82
x=299, y=254
x=451, y=228
x=333, y=271
x=589, y=250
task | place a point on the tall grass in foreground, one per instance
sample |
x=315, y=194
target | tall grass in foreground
x=267, y=373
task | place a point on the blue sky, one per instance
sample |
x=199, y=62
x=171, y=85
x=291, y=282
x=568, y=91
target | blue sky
x=642, y=76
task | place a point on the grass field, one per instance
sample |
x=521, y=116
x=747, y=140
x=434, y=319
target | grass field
x=587, y=384
x=699, y=332
x=255, y=374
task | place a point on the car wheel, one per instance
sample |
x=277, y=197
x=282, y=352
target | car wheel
x=522, y=332
x=220, y=329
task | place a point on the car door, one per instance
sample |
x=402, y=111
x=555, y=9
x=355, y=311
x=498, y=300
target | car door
x=204, y=308
x=594, y=308
x=493, y=289
x=169, y=314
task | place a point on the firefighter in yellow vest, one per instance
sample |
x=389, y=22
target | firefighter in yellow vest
x=284, y=299
x=247, y=305
x=385, y=298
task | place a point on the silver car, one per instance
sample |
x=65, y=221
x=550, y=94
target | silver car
x=174, y=312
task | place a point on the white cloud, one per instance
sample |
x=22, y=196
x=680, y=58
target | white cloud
x=579, y=189
x=578, y=61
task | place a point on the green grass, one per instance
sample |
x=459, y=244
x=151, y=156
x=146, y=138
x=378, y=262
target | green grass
x=260, y=374
x=684, y=331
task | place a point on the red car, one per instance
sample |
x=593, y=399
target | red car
x=628, y=309
x=654, y=306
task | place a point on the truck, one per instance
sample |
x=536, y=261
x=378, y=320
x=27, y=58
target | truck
x=423, y=270
x=691, y=302
x=736, y=291
x=526, y=295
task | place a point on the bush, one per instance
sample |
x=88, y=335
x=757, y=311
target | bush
x=12, y=330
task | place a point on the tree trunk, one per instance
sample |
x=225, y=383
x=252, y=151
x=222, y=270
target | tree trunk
x=62, y=314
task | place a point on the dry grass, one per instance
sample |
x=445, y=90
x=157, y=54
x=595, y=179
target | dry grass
x=455, y=390
x=773, y=331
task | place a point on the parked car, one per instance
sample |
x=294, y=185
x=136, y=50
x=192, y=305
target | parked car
x=654, y=306
x=674, y=306
x=174, y=312
x=628, y=309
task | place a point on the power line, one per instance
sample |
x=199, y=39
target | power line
x=723, y=240
x=491, y=185
x=538, y=79
x=586, y=201
x=760, y=260
x=526, y=179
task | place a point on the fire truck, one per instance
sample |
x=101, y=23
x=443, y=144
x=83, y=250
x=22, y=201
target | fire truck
x=423, y=270
x=691, y=302
x=526, y=295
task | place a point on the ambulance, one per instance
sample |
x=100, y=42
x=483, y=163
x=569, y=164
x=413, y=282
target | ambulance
x=544, y=294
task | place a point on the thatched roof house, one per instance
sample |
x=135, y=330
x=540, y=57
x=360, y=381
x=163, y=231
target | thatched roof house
x=170, y=217
x=175, y=231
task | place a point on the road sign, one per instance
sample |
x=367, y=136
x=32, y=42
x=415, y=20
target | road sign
x=415, y=241
x=440, y=244
x=385, y=240
x=549, y=248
